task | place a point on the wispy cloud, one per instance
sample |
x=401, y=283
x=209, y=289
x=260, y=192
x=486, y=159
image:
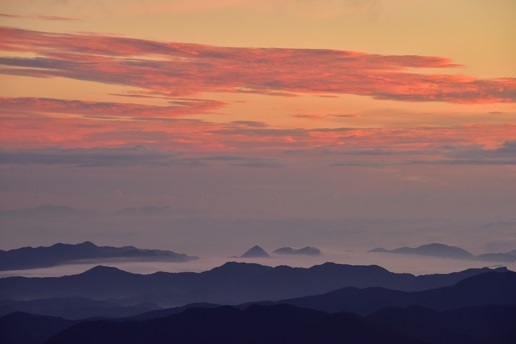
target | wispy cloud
x=183, y=69
x=40, y=122
x=306, y=8
x=39, y=17
x=505, y=154
x=122, y=156
x=84, y=134
x=125, y=156
x=179, y=107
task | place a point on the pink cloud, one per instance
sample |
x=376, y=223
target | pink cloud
x=180, y=107
x=183, y=69
x=27, y=123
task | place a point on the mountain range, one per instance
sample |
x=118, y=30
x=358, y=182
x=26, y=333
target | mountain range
x=230, y=284
x=446, y=251
x=305, y=251
x=40, y=257
x=258, y=252
x=257, y=324
x=471, y=306
x=493, y=288
x=75, y=307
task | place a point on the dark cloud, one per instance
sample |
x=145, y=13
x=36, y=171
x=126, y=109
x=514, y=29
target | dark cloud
x=263, y=132
x=47, y=211
x=503, y=155
x=251, y=124
x=180, y=107
x=125, y=156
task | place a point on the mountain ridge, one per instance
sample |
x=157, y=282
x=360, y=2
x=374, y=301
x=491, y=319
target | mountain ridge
x=255, y=252
x=230, y=283
x=446, y=251
x=60, y=253
x=304, y=251
x=484, y=289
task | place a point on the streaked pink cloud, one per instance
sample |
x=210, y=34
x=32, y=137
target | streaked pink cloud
x=43, y=122
x=183, y=69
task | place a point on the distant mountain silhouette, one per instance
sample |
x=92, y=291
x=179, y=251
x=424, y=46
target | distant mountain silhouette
x=494, y=288
x=305, y=251
x=39, y=257
x=23, y=328
x=74, y=308
x=255, y=252
x=231, y=283
x=482, y=324
x=434, y=250
x=163, y=313
x=145, y=210
x=497, y=257
x=446, y=251
x=228, y=325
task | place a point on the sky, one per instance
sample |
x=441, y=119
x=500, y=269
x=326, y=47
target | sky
x=209, y=126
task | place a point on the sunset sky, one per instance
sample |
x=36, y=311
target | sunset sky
x=219, y=124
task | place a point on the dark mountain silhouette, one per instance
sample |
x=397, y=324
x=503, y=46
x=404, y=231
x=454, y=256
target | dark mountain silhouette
x=256, y=325
x=433, y=250
x=497, y=257
x=483, y=324
x=255, y=252
x=446, y=251
x=494, y=288
x=492, y=324
x=145, y=210
x=231, y=283
x=74, y=308
x=305, y=251
x=163, y=313
x=23, y=328
x=39, y=257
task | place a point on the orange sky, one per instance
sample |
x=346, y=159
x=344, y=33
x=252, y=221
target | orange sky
x=259, y=96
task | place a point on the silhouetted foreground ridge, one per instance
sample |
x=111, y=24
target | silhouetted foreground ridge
x=231, y=283
x=257, y=325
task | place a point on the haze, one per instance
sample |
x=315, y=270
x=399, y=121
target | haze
x=206, y=129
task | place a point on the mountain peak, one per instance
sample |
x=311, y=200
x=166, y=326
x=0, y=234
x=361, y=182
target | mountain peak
x=432, y=249
x=104, y=270
x=255, y=252
x=87, y=244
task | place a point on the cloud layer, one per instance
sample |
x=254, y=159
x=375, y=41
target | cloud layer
x=182, y=76
x=184, y=69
